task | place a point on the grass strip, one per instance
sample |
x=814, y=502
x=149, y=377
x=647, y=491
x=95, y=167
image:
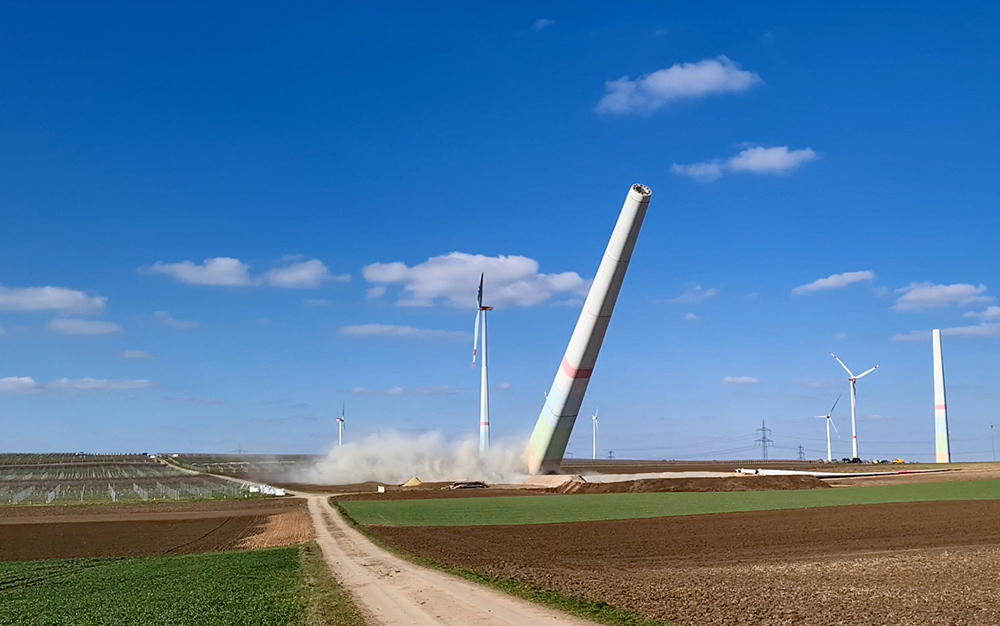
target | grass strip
x=596, y=611
x=326, y=602
x=548, y=509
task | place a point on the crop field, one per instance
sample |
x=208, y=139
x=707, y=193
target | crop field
x=279, y=587
x=83, y=479
x=253, y=466
x=504, y=511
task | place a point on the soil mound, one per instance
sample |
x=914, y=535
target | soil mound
x=733, y=483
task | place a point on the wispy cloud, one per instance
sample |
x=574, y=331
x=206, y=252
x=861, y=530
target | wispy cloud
x=303, y=275
x=50, y=299
x=165, y=318
x=917, y=296
x=388, y=330
x=194, y=400
x=681, y=81
x=83, y=327
x=23, y=384
x=296, y=273
x=740, y=380
x=986, y=329
x=221, y=271
x=991, y=314
x=137, y=354
x=442, y=390
x=755, y=160
x=542, y=24
x=691, y=317
x=695, y=294
x=453, y=278
x=834, y=281
x=504, y=386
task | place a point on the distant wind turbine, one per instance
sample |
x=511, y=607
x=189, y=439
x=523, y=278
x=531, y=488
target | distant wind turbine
x=594, y=418
x=341, y=425
x=854, y=405
x=484, y=394
x=829, y=422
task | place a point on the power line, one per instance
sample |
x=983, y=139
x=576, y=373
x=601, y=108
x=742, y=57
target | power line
x=802, y=453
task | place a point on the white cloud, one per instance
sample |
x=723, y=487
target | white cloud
x=224, y=271
x=776, y=160
x=374, y=293
x=83, y=327
x=986, y=329
x=388, y=330
x=137, y=354
x=98, y=384
x=691, y=317
x=50, y=299
x=706, y=172
x=442, y=390
x=740, y=380
x=504, y=386
x=991, y=314
x=165, y=318
x=542, y=24
x=754, y=160
x=304, y=275
x=14, y=384
x=694, y=294
x=834, y=281
x=26, y=383
x=680, y=81
x=916, y=296
x=454, y=278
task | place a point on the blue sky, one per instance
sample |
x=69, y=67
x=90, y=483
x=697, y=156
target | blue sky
x=328, y=161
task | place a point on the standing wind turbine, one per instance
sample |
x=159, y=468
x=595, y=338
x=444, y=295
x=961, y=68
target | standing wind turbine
x=829, y=420
x=594, y=418
x=484, y=394
x=341, y=425
x=854, y=410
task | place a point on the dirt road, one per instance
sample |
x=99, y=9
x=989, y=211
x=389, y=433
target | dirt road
x=392, y=591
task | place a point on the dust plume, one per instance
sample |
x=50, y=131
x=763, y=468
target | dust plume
x=393, y=458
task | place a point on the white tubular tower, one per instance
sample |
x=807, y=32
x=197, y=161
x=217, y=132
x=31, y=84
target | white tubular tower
x=942, y=447
x=562, y=404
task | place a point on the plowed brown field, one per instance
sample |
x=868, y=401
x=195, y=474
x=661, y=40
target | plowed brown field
x=931, y=563
x=149, y=530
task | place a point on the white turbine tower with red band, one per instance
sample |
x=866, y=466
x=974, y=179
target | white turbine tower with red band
x=854, y=405
x=942, y=445
x=484, y=393
x=562, y=404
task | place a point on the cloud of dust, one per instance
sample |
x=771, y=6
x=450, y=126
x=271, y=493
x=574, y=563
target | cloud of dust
x=393, y=458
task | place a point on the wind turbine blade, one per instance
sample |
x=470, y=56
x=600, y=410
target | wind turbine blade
x=867, y=373
x=479, y=298
x=835, y=404
x=834, y=424
x=475, y=338
x=849, y=372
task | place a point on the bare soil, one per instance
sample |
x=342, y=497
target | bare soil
x=48, y=532
x=729, y=483
x=931, y=563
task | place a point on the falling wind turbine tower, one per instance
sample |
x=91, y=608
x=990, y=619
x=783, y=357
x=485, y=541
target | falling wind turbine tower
x=340, y=425
x=562, y=404
x=484, y=393
x=854, y=405
x=942, y=447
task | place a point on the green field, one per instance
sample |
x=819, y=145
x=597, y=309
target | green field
x=512, y=510
x=279, y=587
